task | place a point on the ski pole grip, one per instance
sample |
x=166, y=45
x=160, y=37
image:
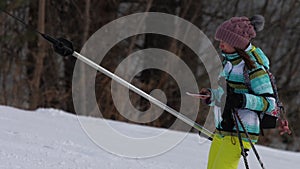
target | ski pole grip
x=61, y=46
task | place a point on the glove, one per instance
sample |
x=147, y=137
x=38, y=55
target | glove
x=233, y=100
x=227, y=122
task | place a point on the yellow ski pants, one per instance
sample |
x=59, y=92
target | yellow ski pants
x=225, y=152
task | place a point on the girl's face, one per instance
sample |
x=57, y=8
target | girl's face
x=226, y=48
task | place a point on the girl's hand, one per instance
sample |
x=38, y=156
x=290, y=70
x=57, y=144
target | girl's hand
x=204, y=95
x=284, y=127
x=207, y=98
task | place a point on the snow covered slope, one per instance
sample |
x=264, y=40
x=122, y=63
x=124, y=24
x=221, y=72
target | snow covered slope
x=53, y=139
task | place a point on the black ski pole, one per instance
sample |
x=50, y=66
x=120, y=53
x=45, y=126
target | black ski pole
x=61, y=45
x=250, y=141
x=240, y=140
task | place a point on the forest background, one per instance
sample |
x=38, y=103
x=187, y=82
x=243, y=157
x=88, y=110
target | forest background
x=33, y=76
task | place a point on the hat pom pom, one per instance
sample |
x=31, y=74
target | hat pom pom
x=258, y=22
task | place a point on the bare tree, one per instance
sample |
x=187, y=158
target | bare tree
x=39, y=59
x=32, y=75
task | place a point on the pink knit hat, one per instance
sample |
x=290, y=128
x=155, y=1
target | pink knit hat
x=238, y=31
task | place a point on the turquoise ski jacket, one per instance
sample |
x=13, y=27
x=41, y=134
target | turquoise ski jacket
x=258, y=100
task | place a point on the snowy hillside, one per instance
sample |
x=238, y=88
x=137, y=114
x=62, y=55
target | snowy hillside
x=53, y=139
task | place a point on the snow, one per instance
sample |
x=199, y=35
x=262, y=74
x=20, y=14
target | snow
x=53, y=139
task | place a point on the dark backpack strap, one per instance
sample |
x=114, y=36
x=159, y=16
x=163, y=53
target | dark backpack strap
x=248, y=85
x=260, y=126
x=247, y=80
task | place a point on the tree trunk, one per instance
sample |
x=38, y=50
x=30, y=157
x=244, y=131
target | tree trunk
x=83, y=79
x=39, y=59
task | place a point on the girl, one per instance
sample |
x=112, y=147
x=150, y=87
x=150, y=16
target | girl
x=233, y=94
